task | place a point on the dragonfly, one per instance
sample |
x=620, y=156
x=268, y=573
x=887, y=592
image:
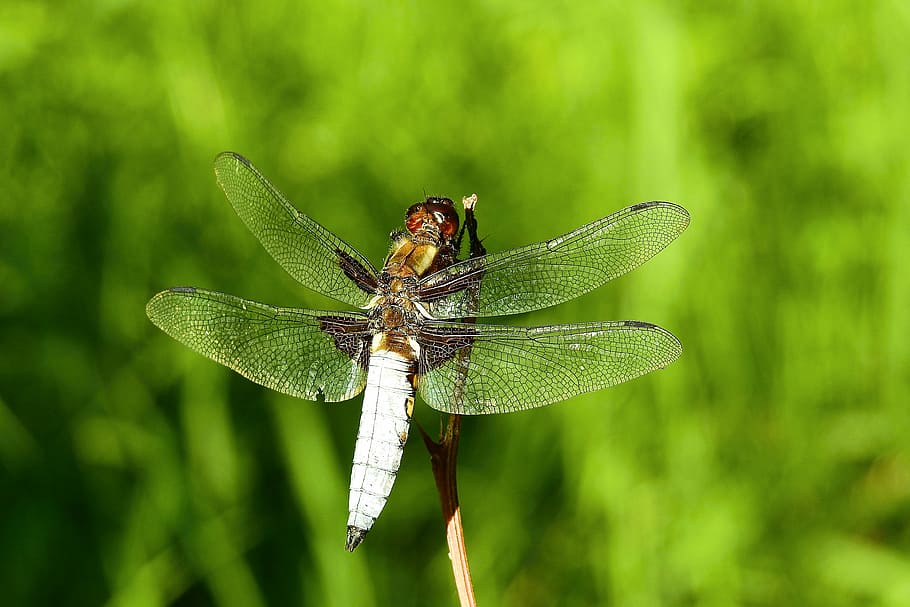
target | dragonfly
x=414, y=330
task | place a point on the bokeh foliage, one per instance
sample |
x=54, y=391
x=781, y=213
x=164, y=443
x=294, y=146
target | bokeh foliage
x=769, y=466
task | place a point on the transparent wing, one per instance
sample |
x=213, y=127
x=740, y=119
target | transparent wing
x=478, y=369
x=547, y=273
x=316, y=355
x=307, y=251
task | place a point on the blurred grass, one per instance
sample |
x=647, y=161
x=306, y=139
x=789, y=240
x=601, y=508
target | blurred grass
x=769, y=466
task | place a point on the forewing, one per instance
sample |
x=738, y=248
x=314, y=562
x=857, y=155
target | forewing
x=316, y=355
x=478, y=369
x=307, y=251
x=547, y=273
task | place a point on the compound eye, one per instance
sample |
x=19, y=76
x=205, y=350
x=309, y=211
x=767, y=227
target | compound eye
x=447, y=220
x=414, y=220
x=449, y=228
x=413, y=209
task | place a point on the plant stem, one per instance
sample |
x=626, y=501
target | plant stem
x=443, y=457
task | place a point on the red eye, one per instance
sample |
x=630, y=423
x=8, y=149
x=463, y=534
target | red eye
x=448, y=223
x=413, y=209
x=414, y=220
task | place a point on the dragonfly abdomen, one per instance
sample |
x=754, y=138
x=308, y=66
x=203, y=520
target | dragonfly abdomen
x=388, y=402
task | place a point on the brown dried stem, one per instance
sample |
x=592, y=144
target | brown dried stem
x=443, y=457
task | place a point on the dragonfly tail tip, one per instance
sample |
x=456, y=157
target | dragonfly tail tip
x=355, y=536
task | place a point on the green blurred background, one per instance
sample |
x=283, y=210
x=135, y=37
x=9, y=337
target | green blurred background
x=769, y=466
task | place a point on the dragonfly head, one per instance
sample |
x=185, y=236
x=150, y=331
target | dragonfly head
x=435, y=216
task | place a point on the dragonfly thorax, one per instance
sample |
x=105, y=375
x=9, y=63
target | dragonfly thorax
x=411, y=257
x=392, y=286
x=395, y=316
